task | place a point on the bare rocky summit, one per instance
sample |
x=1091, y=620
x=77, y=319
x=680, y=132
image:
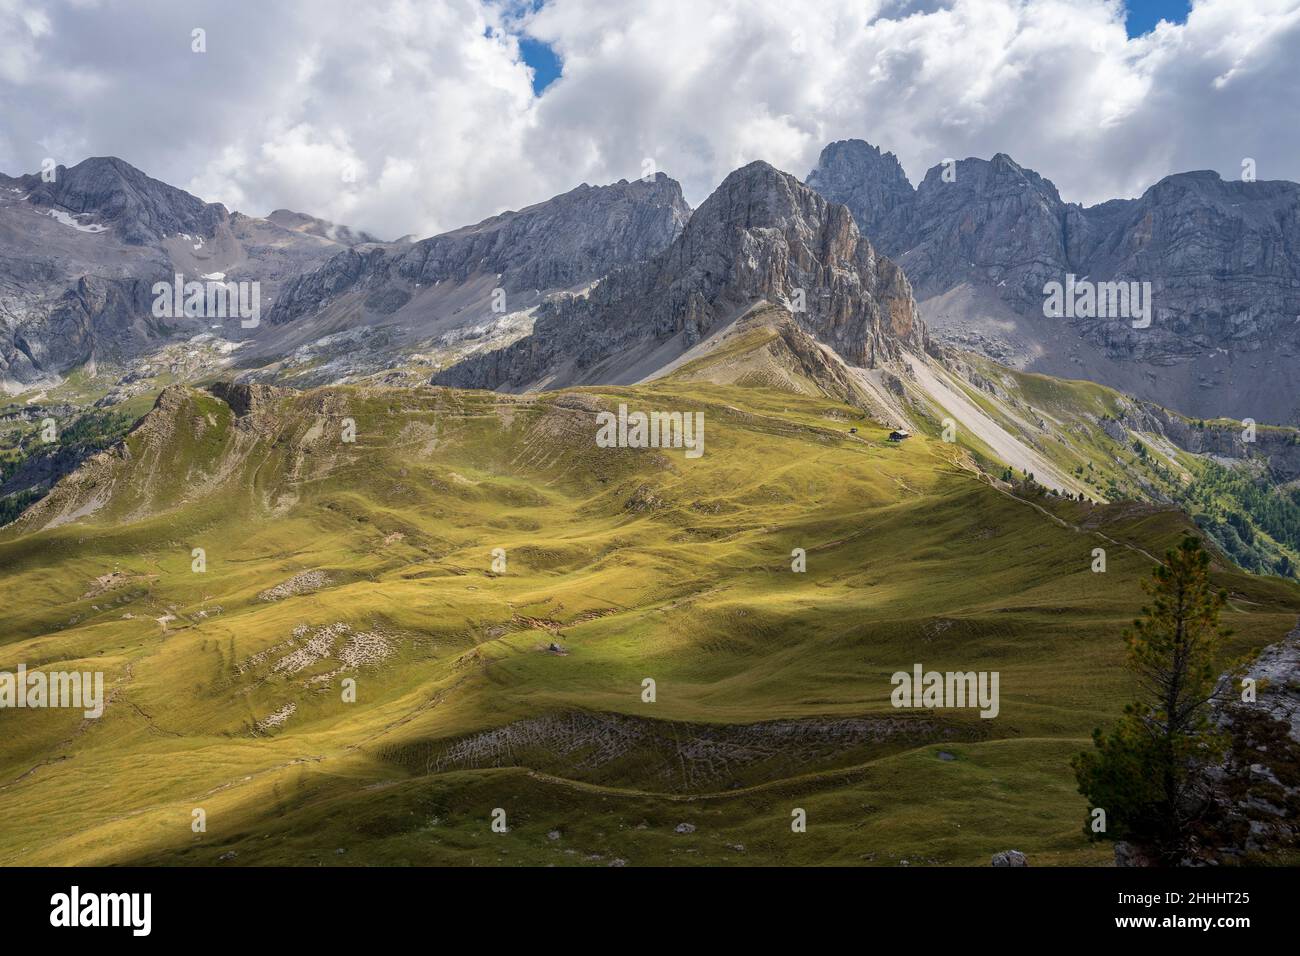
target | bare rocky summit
x=81, y=253
x=761, y=236
x=563, y=242
x=142, y=210
x=979, y=239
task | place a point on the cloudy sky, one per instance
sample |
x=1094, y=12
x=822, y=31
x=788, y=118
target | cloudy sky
x=416, y=116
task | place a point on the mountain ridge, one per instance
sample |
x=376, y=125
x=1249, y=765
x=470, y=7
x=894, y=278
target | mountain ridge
x=980, y=239
x=761, y=235
x=541, y=246
x=144, y=209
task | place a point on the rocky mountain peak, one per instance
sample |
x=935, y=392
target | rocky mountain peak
x=761, y=236
x=113, y=192
x=871, y=183
x=758, y=195
x=1205, y=188
x=985, y=178
x=849, y=159
x=758, y=206
x=985, y=221
x=982, y=238
x=561, y=243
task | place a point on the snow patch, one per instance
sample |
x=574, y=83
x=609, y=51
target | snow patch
x=69, y=220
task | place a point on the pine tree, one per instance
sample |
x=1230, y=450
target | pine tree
x=1147, y=773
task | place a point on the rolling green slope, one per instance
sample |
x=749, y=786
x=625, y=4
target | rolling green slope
x=521, y=687
x=1245, y=496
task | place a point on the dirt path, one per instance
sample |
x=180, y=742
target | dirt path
x=967, y=466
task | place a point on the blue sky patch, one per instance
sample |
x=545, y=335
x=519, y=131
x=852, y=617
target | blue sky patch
x=1143, y=15
x=546, y=65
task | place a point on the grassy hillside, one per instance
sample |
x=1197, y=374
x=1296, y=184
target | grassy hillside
x=520, y=688
x=30, y=465
x=1119, y=450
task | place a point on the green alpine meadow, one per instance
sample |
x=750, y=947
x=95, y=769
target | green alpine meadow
x=349, y=625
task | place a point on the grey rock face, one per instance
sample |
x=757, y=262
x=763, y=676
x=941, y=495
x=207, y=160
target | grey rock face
x=1277, y=671
x=245, y=399
x=985, y=221
x=1009, y=858
x=1256, y=786
x=79, y=257
x=995, y=223
x=115, y=193
x=1223, y=260
x=94, y=318
x=762, y=235
x=874, y=187
x=1130, y=854
x=563, y=242
x=1277, y=448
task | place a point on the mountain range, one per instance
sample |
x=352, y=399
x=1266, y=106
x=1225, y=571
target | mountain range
x=761, y=237
x=361, y=575
x=624, y=283
x=980, y=240
x=80, y=254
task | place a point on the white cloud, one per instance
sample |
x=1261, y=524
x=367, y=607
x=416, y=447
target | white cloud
x=1055, y=83
x=431, y=108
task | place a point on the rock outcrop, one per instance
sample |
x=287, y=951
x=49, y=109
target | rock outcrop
x=81, y=253
x=761, y=236
x=116, y=194
x=1256, y=789
x=245, y=398
x=1222, y=258
x=564, y=242
x=874, y=187
x=1277, y=448
x=1009, y=858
